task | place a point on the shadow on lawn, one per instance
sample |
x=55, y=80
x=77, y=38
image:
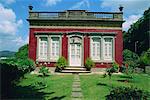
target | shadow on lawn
x=104, y=84
x=26, y=92
x=29, y=92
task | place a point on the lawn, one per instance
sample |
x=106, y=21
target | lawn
x=58, y=87
x=95, y=87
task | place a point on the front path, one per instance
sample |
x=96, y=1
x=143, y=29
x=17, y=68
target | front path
x=76, y=89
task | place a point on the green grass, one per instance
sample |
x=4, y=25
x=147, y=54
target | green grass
x=58, y=87
x=95, y=87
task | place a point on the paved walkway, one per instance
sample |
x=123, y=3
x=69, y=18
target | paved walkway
x=76, y=89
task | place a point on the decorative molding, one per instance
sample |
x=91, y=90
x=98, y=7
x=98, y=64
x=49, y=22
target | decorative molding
x=76, y=27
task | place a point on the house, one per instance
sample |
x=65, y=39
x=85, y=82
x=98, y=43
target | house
x=76, y=35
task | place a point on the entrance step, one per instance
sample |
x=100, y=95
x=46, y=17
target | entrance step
x=75, y=71
x=75, y=68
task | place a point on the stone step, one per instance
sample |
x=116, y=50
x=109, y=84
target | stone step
x=75, y=68
x=77, y=95
x=74, y=71
x=75, y=86
x=78, y=89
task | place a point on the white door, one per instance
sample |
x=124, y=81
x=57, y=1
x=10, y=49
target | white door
x=75, y=54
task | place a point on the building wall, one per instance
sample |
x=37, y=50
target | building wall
x=118, y=43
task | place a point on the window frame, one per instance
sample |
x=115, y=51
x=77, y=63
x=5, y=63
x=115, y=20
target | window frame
x=91, y=49
x=49, y=58
x=113, y=49
x=102, y=58
x=54, y=59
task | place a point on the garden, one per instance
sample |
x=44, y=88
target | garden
x=17, y=82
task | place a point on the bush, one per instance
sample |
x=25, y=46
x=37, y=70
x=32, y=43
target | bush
x=126, y=93
x=26, y=65
x=89, y=64
x=123, y=69
x=114, y=68
x=145, y=59
x=131, y=59
x=44, y=71
x=9, y=74
x=61, y=63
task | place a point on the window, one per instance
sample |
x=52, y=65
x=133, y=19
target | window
x=43, y=48
x=108, y=48
x=55, y=48
x=95, y=48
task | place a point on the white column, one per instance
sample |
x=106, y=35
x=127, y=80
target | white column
x=49, y=46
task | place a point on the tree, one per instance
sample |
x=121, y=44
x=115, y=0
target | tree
x=137, y=37
x=22, y=52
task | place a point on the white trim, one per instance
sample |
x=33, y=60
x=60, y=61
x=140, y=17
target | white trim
x=91, y=48
x=48, y=59
x=113, y=48
x=102, y=48
x=82, y=48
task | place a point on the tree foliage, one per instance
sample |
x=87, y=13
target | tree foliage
x=138, y=34
x=22, y=52
x=131, y=59
x=145, y=58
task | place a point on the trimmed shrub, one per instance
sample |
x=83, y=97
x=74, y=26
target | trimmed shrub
x=61, y=64
x=89, y=64
x=126, y=93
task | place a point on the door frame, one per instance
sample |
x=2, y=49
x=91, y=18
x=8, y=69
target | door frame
x=82, y=48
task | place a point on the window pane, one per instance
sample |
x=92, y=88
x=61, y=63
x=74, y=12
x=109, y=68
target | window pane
x=108, y=49
x=55, y=47
x=43, y=48
x=95, y=48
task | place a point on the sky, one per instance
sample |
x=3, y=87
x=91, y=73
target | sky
x=14, y=28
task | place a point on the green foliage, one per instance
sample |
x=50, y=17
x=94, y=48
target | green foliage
x=131, y=59
x=123, y=69
x=139, y=31
x=26, y=65
x=9, y=74
x=44, y=71
x=89, y=63
x=61, y=63
x=126, y=93
x=114, y=68
x=22, y=52
x=145, y=58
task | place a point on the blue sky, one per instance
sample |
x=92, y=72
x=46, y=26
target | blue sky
x=14, y=28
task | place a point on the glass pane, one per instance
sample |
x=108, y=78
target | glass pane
x=108, y=39
x=43, y=38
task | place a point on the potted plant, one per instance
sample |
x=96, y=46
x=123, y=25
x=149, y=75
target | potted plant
x=89, y=64
x=61, y=64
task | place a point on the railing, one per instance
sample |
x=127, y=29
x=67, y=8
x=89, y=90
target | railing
x=75, y=15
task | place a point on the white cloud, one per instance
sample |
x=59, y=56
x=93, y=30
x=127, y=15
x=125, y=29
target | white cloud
x=8, y=23
x=80, y=4
x=130, y=20
x=133, y=9
x=52, y=2
x=9, y=28
x=130, y=6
